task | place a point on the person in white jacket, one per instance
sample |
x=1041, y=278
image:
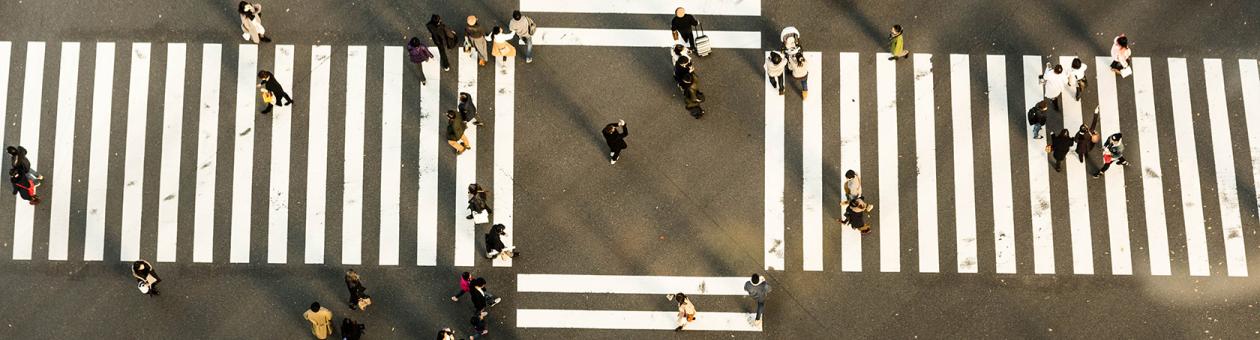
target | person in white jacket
x=1076, y=79
x=1054, y=81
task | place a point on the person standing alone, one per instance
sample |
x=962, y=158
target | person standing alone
x=320, y=319
x=897, y=43
x=524, y=28
x=682, y=25
x=443, y=37
x=146, y=277
x=615, y=134
x=251, y=22
x=757, y=289
x=358, y=299
x=267, y=82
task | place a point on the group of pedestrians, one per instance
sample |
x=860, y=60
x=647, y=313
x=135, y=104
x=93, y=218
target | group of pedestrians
x=1056, y=80
x=757, y=288
x=482, y=300
x=321, y=318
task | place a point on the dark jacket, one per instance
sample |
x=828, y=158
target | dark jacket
x=1083, y=142
x=438, y=32
x=684, y=76
x=494, y=241
x=1059, y=145
x=356, y=288
x=1036, y=116
x=454, y=129
x=272, y=85
x=351, y=330
x=616, y=141
x=467, y=110
x=684, y=24
x=478, y=298
x=419, y=54
x=20, y=162
x=856, y=219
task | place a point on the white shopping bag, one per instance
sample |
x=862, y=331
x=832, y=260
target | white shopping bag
x=481, y=217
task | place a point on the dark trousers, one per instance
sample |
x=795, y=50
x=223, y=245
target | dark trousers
x=1105, y=166
x=777, y=82
x=689, y=37
x=761, y=306
x=442, y=56
x=1058, y=163
x=616, y=153
x=420, y=71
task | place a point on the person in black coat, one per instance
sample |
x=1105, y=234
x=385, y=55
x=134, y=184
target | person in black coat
x=481, y=298
x=495, y=245
x=1084, y=142
x=685, y=76
x=468, y=110
x=443, y=38
x=615, y=134
x=268, y=82
x=351, y=330
x=355, y=286
x=1058, y=148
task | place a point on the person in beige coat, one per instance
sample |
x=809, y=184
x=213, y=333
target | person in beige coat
x=251, y=22
x=321, y=321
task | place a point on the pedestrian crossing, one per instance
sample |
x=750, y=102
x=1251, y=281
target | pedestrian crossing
x=1205, y=236
x=137, y=147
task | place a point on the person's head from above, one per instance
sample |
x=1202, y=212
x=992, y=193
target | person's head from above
x=896, y=29
x=775, y=57
x=436, y=19
x=466, y=276
x=314, y=306
x=496, y=30
x=464, y=96
x=756, y=279
x=680, y=298
x=12, y=150
x=1043, y=105
x=479, y=282
x=1064, y=132
x=680, y=12
x=683, y=61
x=264, y=75
x=1123, y=41
x=678, y=49
x=1083, y=128
x=450, y=114
x=244, y=7
x=1115, y=137
x=850, y=174
x=415, y=42
x=1058, y=69
x=472, y=20
x=516, y=15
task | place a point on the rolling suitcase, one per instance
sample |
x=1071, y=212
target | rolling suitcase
x=703, y=45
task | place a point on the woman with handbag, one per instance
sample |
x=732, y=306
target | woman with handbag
x=1121, y=55
x=855, y=215
x=686, y=311
x=251, y=22
x=502, y=46
x=494, y=243
x=478, y=209
x=358, y=300
x=146, y=278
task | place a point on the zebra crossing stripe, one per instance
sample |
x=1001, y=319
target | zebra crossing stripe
x=925, y=154
x=352, y=197
x=172, y=130
x=466, y=170
x=1000, y=153
x=391, y=154
x=774, y=185
x=1117, y=211
x=317, y=154
x=207, y=153
x=563, y=36
x=631, y=284
x=133, y=173
x=1152, y=176
x=1038, y=176
x=32, y=97
x=1248, y=69
x=243, y=153
x=504, y=139
x=639, y=320
x=281, y=135
x=1078, y=209
x=430, y=141
x=811, y=168
x=1226, y=178
x=850, y=152
x=886, y=99
x=1188, y=164
x=63, y=153
x=964, y=167
x=98, y=155
x=703, y=7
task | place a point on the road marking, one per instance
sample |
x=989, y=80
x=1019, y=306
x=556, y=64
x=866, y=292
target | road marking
x=1226, y=178
x=1250, y=75
x=925, y=151
x=1117, y=209
x=1078, y=191
x=811, y=168
x=98, y=161
x=558, y=36
x=1038, y=176
x=281, y=144
x=698, y=7
x=317, y=154
x=243, y=162
x=850, y=152
x=630, y=284
x=207, y=153
x=504, y=138
x=133, y=173
x=430, y=140
x=6, y=50
x=775, y=164
x=1188, y=164
x=32, y=97
x=352, y=178
x=391, y=154
x=639, y=320
x=964, y=169
x=63, y=153
x=1000, y=154
x=1152, y=176
x=172, y=130
x=466, y=170
x=886, y=96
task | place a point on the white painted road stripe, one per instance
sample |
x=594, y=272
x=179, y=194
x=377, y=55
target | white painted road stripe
x=775, y=163
x=207, y=153
x=811, y=168
x=557, y=36
x=888, y=230
x=431, y=140
x=630, y=284
x=964, y=167
x=698, y=7
x=391, y=154
x=1188, y=166
x=1000, y=154
x=504, y=138
x=466, y=170
x=243, y=160
x=317, y=154
x=1078, y=191
x=63, y=153
x=172, y=130
x=640, y=320
x=352, y=178
x=1152, y=176
x=98, y=155
x=281, y=136
x=850, y=153
x=133, y=173
x=1117, y=204
x=1038, y=175
x=6, y=51
x=925, y=151
x=1226, y=178
x=32, y=97
x=1250, y=75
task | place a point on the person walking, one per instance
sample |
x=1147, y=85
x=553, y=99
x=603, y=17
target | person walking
x=615, y=134
x=455, y=133
x=686, y=310
x=852, y=187
x=468, y=110
x=478, y=207
x=267, y=82
x=443, y=37
x=1076, y=78
x=1058, y=148
x=682, y=25
x=1037, y=117
x=495, y=246
x=419, y=53
x=757, y=289
x=800, y=71
x=24, y=186
x=475, y=38
x=146, y=278
x=685, y=76
x=251, y=22
x=479, y=328
x=502, y=46
x=791, y=38
x=1084, y=142
x=481, y=298
x=1053, y=81
x=465, y=280
x=855, y=215
x=1121, y=55
x=320, y=319
x=446, y=334
x=358, y=299
x=19, y=162
x=351, y=330
x=524, y=27
x=1113, y=152
x=775, y=65
x=897, y=43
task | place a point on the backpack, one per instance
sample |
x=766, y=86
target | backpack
x=1035, y=116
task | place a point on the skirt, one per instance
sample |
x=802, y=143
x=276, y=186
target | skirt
x=503, y=49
